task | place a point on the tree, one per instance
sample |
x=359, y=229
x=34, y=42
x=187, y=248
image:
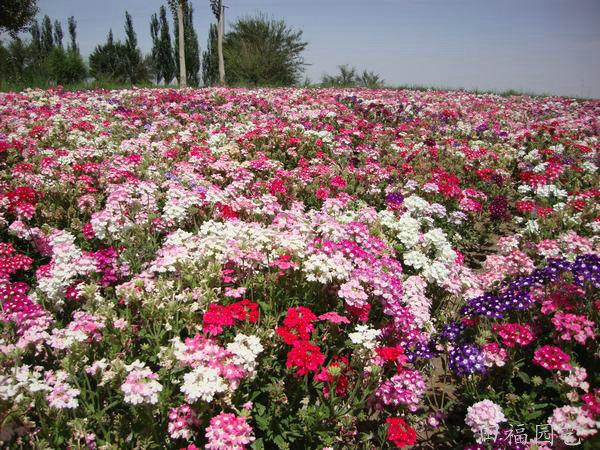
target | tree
x=191, y=61
x=259, y=51
x=192, y=49
x=210, y=64
x=110, y=61
x=47, y=38
x=58, y=34
x=218, y=10
x=136, y=71
x=36, y=38
x=16, y=15
x=154, y=30
x=166, y=63
x=371, y=80
x=177, y=9
x=73, y=34
x=348, y=77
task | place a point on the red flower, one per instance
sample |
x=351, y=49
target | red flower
x=400, y=433
x=551, y=357
x=305, y=357
x=297, y=325
x=219, y=316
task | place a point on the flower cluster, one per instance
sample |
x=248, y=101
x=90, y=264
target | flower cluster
x=140, y=385
x=573, y=326
x=514, y=334
x=484, y=417
x=466, y=359
x=551, y=358
x=217, y=316
x=182, y=421
x=228, y=432
x=400, y=433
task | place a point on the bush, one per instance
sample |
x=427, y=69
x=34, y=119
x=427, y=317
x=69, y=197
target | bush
x=66, y=67
x=259, y=51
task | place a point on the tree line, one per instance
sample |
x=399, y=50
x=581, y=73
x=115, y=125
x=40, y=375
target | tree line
x=256, y=51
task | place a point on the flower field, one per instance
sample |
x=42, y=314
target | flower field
x=298, y=268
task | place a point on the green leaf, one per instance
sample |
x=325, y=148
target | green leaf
x=524, y=377
x=280, y=442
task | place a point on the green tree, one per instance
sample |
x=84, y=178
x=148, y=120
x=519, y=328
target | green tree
x=136, y=71
x=18, y=55
x=47, y=37
x=346, y=77
x=154, y=31
x=349, y=77
x=218, y=10
x=166, y=63
x=259, y=51
x=17, y=15
x=36, y=38
x=210, y=64
x=192, y=50
x=58, y=34
x=110, y=61
x=73, y=34
x=370, y=80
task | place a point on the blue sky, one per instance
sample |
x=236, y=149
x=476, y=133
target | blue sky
x=542, y=46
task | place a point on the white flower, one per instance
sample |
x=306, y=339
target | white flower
x=245, y=350
x=202, y=383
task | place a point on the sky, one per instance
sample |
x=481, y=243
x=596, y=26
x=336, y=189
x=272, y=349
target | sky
x=538, y=46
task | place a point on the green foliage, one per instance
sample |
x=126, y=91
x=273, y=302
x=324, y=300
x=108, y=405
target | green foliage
x=58, y=34
x=109, y=61
x=120, y=62
x=66, y=67
x=73, y=34
x=154, y=30
x=349, y=77
x=34, y=63
x=136, y=71
x=47, y=37
x=216, y=7
x=210, y=63
x=16, y=15
x=166, y=64
x=259, y=51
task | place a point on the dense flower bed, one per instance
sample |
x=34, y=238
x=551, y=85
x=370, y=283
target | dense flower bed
x=288, y=268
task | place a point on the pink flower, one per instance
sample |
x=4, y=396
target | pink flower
x=333, y=317
x=484, y=417
x=573, y=326
x=182, y=420
x=228, y=432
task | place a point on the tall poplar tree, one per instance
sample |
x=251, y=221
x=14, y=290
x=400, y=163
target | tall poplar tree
x=210, y=61
x=218, y=10
x=154, y=31
x=191, y=61
x=166, y=63
x=47, y=38
x=134, y=55
x=72, y=25
x=58, y=34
